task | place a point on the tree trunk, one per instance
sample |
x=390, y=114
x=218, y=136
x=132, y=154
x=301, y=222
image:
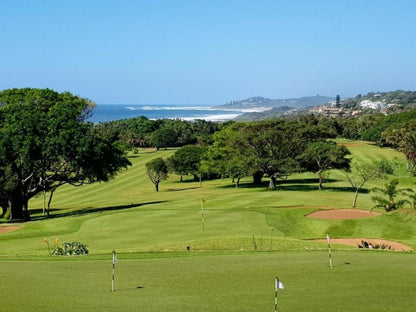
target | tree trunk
x=49, y=202
x=272, y=185
x=355, y=198
x=157, y=187
x=181, y=179
x=320, y=179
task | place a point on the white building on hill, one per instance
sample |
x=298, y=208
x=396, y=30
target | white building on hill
x=372, y=105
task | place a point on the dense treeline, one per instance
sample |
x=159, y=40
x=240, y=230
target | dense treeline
x=161, y=133
x=274, y=148
x=370, y=127
x=279, y=147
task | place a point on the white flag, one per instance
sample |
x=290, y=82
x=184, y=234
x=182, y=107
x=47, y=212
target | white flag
x=114, y=259
x=279, y=284
x=327, y=238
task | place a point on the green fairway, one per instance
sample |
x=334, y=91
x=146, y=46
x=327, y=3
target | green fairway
x=359, y=281
x=127, y=214
x=151, y=231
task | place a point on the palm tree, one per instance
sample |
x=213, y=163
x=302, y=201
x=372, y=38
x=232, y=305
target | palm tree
x=390, y=192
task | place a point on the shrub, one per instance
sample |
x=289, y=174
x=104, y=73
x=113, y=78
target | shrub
x=66, y=249
x=70, y=249
x=365, y=244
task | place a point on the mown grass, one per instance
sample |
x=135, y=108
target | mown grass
x=359, y=281
x=128, y=215
x=222, y=272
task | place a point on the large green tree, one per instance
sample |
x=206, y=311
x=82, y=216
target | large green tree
x=271, y=147
x=157, y=171
x=321, y=156
x=46, y=143
x=402, y=136
x=187, y=161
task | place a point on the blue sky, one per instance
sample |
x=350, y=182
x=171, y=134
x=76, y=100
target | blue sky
x=207, y=52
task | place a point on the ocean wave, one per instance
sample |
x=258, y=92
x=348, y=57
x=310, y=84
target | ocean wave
x=197, y=108
x=222, y=117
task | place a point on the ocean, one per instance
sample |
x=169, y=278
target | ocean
x=109, y=112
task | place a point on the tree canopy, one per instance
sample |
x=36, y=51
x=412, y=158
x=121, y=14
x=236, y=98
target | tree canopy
x=45, y=143
x=321, y=156
x=157, y=171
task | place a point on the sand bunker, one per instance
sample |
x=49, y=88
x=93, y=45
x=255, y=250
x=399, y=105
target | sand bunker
x=374, y=241
x=342, y=214
x=4, y=229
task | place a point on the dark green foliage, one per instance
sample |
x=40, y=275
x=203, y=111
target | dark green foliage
x=402, y=136
x=161, y=133
x=388, y=201
x=163, y=138
x=45, y=143
x=157, y=170
x=187, y=160
x=269, y=147
x=322, y=156
x=376, y=124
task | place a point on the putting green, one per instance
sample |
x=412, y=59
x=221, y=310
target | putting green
x=359, y=281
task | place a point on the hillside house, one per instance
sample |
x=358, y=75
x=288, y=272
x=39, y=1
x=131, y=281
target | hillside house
x=328, y=111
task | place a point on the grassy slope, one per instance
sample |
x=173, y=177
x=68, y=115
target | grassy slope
x=128, y=215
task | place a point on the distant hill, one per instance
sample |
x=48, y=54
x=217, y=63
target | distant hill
x=400, y=98
x=260, y=102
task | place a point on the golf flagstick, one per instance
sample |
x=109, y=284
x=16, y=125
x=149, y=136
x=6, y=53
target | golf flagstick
x=202, y=214
x=278, y=284
x=329, y=250
x=114, y=271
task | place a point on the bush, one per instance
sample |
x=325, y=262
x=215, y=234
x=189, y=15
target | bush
x=70, y=249
x=66, y=249
x=365, y=244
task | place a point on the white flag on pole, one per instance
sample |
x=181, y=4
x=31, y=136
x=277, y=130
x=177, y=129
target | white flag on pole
x=279, y=284
x=114, y=258
x=327, y=238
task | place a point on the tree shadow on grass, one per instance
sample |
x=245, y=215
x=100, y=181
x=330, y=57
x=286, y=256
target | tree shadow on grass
x=247, y=185
x=133, y=156
x=87, y=210
x=307, y=188
x=183, y=189
x=300, y=185
x=304, y=181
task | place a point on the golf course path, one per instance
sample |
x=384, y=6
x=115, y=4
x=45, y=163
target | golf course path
x=4, y=229
x=342, y=214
